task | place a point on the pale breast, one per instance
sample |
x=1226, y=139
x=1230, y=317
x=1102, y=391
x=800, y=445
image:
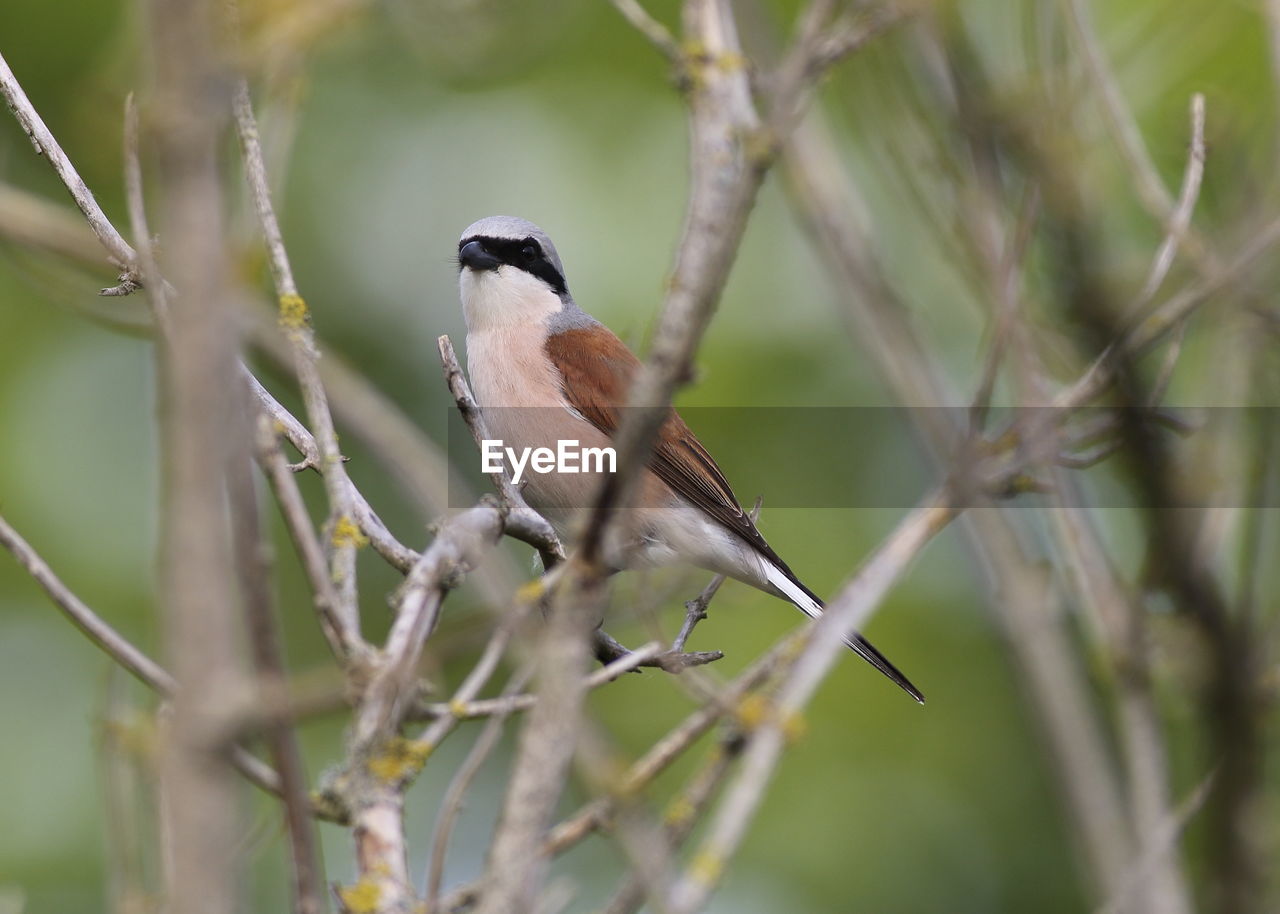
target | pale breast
x=519, y=393
x=509, y=368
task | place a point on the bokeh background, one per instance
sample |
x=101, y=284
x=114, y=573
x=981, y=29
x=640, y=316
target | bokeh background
x=410, y=120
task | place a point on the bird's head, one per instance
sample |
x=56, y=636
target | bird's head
x=509, y=274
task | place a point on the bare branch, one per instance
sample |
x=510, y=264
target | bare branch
x=457, y=548
x=115, y=645
x=821, y=647
x=158, y=289
x=509, y=704
x=119, y=250
x=1124, y=129
x=119, y=648
x=253, y=564
x=723, y=186
x=683, y=813
x=853, y=30
x=1180, y=219
x=455, y=794
x=343, y=531
x=34, y=222
x=302, y=533
x=1165, y=318
x=1122, y=629
x=288, y=425
x=516, y=865
x=650, y=28
x=1160, y=844
x=394, y=440
x=824, y=197
x=660, y=756
x=200, y=403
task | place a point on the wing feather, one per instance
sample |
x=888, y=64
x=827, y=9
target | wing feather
x=597, y=369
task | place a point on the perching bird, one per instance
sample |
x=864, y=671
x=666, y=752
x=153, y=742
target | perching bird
x=544, y=371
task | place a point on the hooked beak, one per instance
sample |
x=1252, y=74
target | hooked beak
x=474, y=255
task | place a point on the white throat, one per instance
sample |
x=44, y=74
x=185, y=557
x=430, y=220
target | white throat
x=505, y=298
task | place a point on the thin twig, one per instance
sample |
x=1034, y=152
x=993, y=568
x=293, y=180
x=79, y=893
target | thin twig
x=343, y=531
x=1121, y=627
x=121, y=253
x=287, y=424
x=683, y=813
x=457, y=548
x=723, y=186
x=825, y=641
x=516, y=866
x=1160, y=844
x=1162, y=320
x=853, y=30
x=284, y=485
x=381, y=765
x=470, y=709
x=119, y=649
x=824, y=198
x=157, y=288
x=254, y=567
x=34, y=222
x=459, y=785
x=115, y=645
x=1180, y=219
x=661, y=755
x=1124, y=129
x=657, y=33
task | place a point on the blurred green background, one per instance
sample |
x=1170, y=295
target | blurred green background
x=417, y=118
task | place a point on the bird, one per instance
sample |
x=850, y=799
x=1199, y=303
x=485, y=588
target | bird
x=543, y=371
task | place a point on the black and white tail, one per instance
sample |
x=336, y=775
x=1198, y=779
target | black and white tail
x=803, y=597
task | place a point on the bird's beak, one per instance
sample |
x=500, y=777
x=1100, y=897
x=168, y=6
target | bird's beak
x=474, y=255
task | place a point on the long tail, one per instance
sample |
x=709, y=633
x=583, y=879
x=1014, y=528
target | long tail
x=809, y=603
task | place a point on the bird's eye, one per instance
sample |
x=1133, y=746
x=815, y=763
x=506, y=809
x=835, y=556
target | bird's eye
x=529, y=252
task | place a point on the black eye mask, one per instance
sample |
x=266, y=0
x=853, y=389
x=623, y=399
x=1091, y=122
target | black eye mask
x=523, y=254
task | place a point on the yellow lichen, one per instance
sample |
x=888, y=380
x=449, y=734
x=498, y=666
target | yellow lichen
x=458, y=708
x=752, y=711
x=293, y=312
x=133, y=734
x=791, y=650
x=794, y=727
x=361, y=898
x=694, y=49
x=347, y=533
x=531, y=591
x=706, y=868
x=399, y=759
x=679, y=812
x=729, y=63
x=613, y=771
x=760, y=147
